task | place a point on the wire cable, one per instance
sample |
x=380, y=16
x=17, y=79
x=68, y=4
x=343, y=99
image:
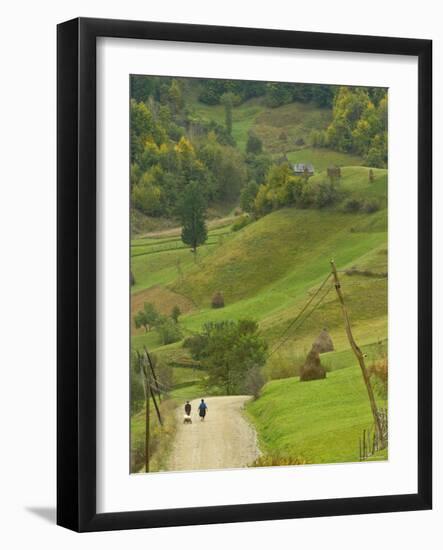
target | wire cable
x=298, y=317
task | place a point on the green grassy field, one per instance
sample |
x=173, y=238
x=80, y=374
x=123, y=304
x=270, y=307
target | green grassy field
x=320, y=421
x=322, y=158
x=280, y=129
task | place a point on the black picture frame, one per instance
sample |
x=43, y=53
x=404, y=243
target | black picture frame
x=76, y=265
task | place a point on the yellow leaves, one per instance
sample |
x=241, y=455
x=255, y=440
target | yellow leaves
x=184, y=146
x=164, y=148
x=151, y=146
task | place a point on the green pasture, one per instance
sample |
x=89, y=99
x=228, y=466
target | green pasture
x=320, y=421
x=322, y=158
x=279, y=128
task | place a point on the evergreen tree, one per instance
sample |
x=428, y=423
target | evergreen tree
x=175, y=313
x=192, y=212
x=228, y=100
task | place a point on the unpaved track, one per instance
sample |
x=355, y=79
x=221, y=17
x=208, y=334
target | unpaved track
x=176, y=231
x=223, y=440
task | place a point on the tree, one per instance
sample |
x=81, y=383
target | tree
x=146, y=195
x=228, y=99
x=254, y=145
x=278, y=93
x=147, y=317
x=192, y=212
x=258, y=167
x=175, y=313
x=282, y=188
x=176, y=96
x=141, y=127
x=247, y=196
x=169, y=331
x=225, y=168
x=232, y=352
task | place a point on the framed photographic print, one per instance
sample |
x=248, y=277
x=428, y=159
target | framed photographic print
x=244, y=274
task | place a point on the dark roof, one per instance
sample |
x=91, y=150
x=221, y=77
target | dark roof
x=300, y=167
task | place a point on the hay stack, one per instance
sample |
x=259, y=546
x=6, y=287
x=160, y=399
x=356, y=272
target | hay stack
x=323, y=343
x=312, y=369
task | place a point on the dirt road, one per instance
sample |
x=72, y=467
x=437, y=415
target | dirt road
x=176, y=231
x=223, y=440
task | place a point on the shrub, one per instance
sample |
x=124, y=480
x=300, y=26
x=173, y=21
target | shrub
x=218, y=300
x=351, y=206
x=378, y=372
x=254, y=381
x=317, y=195
x=277, y=460
x=299, y=141
x=164, y=374
x=175, y=313
x=195, y=344
x=248, y=195
x=326, y=194
x=370, y=206
x=243, y=221
x=317, y=138
x=169, y=331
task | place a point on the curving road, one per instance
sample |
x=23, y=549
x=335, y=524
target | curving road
x=223, y=440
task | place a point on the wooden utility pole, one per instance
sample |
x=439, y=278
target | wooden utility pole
x=147, y=393
x=358, y=353
x=146, y=374
x=153, y=373
x=147, y=422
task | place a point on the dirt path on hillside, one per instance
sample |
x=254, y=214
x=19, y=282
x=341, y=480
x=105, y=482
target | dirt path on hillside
x=176, y=231
x=223, y=440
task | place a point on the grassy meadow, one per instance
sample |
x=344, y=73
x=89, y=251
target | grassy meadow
x=267, y=271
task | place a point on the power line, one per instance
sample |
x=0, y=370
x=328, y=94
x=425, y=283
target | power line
x=304, y=308
x=303, y=320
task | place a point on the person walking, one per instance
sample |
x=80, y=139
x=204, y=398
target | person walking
x=202, y=408
x=188, y=408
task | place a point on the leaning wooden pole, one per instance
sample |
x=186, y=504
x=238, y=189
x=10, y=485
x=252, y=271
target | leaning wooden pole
x=358, y=353
x=147, y=422
x=153, y=373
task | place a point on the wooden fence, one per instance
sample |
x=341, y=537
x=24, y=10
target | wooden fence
x=371, y=441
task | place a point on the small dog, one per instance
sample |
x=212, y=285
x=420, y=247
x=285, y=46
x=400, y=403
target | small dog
x=187, y=419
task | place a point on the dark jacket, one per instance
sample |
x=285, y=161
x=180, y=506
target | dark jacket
x=188, y=408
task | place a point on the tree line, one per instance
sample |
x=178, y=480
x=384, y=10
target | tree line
x=176, y=156
x=359, y=125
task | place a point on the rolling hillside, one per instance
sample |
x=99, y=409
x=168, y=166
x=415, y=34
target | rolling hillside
x=267, y=271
